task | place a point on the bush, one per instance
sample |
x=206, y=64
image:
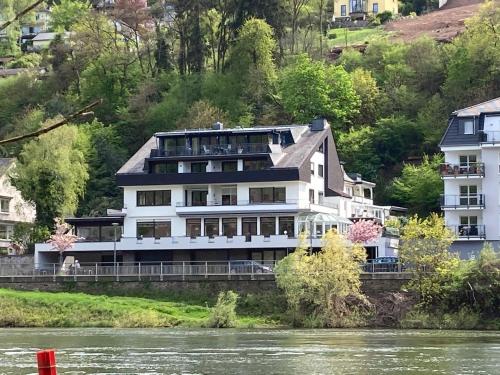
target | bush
x=384, y=16
x=332, y=36
x=223, y=314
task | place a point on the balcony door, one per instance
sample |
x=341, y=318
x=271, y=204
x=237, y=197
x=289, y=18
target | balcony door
x=469, y=195
x=199, y=197
x=468, y=226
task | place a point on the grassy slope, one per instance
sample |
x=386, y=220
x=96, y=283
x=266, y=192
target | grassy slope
x=43, y=309
x=355, y=36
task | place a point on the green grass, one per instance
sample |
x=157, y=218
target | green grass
x=355, y=36
x=44, y=309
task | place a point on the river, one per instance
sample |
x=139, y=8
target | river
x=252, y=352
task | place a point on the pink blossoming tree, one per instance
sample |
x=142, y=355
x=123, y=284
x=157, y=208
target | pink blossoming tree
x=364, y=231
x=62, y=239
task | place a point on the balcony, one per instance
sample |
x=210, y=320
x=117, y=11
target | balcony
x=475, y=201
x=490, y=137
x=469, y=232
x=240, y=206
x=462, y=170
x=215, y=150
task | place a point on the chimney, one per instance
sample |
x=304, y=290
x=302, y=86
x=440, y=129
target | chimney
x=218, y=126
x=318, y=124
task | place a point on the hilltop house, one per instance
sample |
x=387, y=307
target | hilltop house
x=361, y=9
x=471, y=175
x=228, y=194
x=13, y=209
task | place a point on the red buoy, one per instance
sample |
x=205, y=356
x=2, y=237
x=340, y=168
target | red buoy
x=46, y=362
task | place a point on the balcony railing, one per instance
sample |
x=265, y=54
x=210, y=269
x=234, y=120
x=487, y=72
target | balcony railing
x=462, y=201
x=210, y=150
x=232, y=202
x=455, y=170
x=492, y=137
x=469, y=231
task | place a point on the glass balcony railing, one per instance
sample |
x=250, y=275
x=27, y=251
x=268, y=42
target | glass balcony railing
x=455, y=170
x=469, y=231
x=462, y=201
x=210, y=150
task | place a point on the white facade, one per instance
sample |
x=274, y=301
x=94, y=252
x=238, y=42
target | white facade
x=471, y=176
x=13, y=209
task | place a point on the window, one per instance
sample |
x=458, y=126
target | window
x=267, y=195
x=168, y=167
x=229, y=166
x=154, y=198
x=154, y=229
x=255, y=165
x=249, y=227
x=199, y=197
x=375, y=8
x=198, y=167
x=311, y=195
x=468, y=226
x=320, y=170
x=229, y=196
x=193, y=228
x=343, y=11
x=367, y=193
x=4, y=205
x=211, y=227
x=465, y=160
x=469, y=195
x=320, y=197
x=312, y=169
x=108, y=233
x=90, y=234
x=229, y=227
x=466, y=126
x=286, y=225
x=5, y=231
x=267, y=226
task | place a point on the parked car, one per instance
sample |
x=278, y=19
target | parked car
x=249, y=266
x=384, y=264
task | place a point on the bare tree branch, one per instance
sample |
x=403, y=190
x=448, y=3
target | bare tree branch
x=20, y=14
x=81, y=112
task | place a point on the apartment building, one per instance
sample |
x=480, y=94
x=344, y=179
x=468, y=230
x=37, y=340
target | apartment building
x=228, y=194
x=471, y=175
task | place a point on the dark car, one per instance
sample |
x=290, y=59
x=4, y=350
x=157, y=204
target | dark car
x=249, y=267
x=384, y=264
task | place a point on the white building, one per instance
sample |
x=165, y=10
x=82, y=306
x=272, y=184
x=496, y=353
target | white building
x=13, y=209
x=228, y=194
x=471, y=175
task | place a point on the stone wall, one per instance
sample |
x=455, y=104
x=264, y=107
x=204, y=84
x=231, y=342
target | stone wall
x=17, y=260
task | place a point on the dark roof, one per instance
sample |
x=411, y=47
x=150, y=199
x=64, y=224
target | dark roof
x=93, y=221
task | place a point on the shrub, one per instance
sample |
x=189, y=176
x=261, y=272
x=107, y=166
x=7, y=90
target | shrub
x=332, y=36
x=223, y=314
x=384, y=16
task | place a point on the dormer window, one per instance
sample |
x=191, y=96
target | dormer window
x=467, y=126
x=4, y=205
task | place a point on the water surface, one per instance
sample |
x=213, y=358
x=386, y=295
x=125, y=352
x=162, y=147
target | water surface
x=252, y=352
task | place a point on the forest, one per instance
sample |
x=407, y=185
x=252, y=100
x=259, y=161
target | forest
x=188, y=63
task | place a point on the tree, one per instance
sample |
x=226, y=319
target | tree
x=51, y=173
x=324, y=288
x=419, y=186
x=66, y=13
x=309, y=89
x=368, y=93
x=201, y=115
x=425, y=248
x=61, y=240
x=364, y=231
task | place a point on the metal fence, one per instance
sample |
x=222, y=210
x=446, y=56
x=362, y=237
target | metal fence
x=159, y=269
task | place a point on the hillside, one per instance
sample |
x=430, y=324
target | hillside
x=443, y=24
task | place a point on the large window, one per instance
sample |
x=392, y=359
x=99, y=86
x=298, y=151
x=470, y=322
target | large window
x=168, y=167
x=193, y=228
x=343, y=11
x=375, y=8
x=199, y=197
x=255, y=165
x=108, y=233
x=4, y=205
x=154, y=198
x=154, y=229
x=229, y=166
x=211, y=227
x=267, y=226
x=249, y=227
x=465, y=160
x=286, y=225
x=90, y=234
x=229, y=196
x=229, y=227
x=5, y=231
x=198, y=167
x=267, y=195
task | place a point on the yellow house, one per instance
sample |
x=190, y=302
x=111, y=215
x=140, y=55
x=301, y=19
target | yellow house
x=359, y=9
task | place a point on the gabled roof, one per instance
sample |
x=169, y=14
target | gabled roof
x=492, y=105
